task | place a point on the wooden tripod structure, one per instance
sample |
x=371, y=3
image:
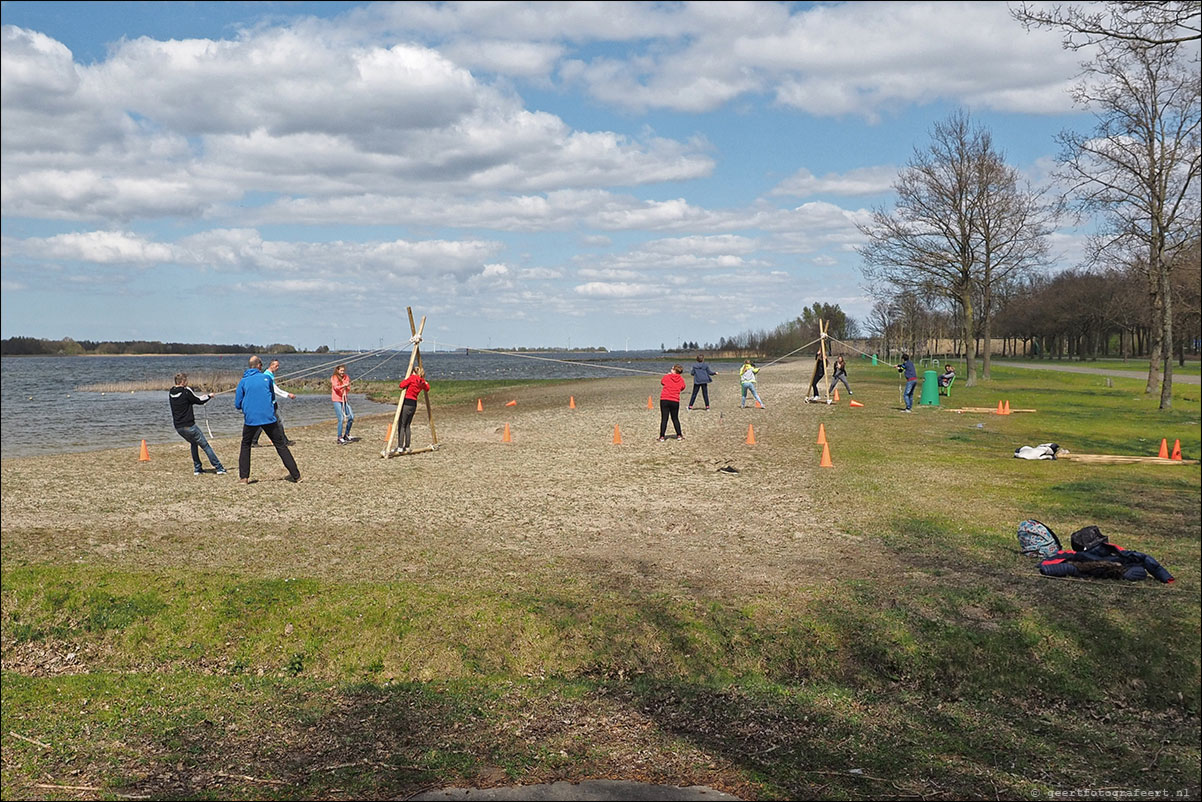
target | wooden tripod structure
x=414, y=356
x=824, y=350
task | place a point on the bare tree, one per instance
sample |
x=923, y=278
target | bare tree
x=1013, y=223
x=962, y=223
x=1139, y=168
x=1139, y=23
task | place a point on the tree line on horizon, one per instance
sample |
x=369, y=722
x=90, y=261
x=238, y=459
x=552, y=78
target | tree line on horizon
x=67, y=346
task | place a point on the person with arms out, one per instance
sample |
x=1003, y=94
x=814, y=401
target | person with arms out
x=339, y=388
x=183, y=398
x=906, y=368
x=255, y=399
x=839, y=374
x=669, y=401
x=413, y=385
x=747, y=380
x=702, y=376
x=272, y=367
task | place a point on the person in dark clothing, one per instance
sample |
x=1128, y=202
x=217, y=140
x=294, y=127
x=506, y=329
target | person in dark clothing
x=183, y=398
x=839, y=374
x=255, y=398
x=702, y=375
x=907, y=369
x=819, y=374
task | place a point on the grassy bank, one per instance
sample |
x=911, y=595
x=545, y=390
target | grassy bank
x=861, y=632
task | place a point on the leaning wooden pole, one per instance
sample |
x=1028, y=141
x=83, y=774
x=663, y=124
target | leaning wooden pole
x=823, y=328
x=396, y=418
x=425, y=393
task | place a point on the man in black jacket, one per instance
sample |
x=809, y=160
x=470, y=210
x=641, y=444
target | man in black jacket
x=183, y=398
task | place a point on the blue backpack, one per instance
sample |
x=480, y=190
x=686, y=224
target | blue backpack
x=1037, y=540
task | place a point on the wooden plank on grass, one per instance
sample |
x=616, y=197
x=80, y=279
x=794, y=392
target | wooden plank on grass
x=1118, y=459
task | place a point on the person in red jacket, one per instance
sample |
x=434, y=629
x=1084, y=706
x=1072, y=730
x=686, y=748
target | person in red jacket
x=669, y=401
x=413, y=385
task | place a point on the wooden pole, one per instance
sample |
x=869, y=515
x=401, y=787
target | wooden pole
x=823, y=328
x=396, y=418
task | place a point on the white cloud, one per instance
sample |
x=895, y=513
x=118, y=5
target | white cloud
x=858, y=181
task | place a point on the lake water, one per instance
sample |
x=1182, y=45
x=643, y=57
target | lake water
x=43, y=411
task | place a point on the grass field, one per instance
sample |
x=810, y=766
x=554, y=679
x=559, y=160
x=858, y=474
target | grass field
x=561, y=607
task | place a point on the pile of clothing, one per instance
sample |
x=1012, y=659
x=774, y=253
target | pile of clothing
x=1092, y=556
x=1041, y=451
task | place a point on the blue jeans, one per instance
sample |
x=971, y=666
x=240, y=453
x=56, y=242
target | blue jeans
x=345, y=416
x=750, y=386
x=910, y=385
x=196, y=437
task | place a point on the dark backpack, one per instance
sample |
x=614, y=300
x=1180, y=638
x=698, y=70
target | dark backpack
x=1037, y=540
x=1086, y=538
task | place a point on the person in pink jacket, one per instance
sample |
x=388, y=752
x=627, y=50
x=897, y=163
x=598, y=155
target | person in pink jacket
x=669, y=401
x=413, y=385
x=339, y=387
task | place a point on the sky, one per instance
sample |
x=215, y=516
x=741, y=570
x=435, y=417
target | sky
x=622, y=175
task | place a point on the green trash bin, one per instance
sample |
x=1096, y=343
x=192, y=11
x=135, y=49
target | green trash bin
x=930, y=388
x=874, y=360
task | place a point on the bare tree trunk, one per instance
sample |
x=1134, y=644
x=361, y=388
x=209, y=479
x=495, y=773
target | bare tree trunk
x=1166, y=293
x=1155, y=336
x=966, y=325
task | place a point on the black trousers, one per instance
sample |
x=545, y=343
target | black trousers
x=669, y=409
x=275, y=433
x=408, y=409
x=275, y=405
x=705, y=393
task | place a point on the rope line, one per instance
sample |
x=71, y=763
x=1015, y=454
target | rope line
x=560, y=361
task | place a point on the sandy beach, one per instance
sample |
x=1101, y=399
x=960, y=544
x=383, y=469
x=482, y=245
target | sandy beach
x=561, y=497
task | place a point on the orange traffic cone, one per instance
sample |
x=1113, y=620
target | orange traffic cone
x=1164, y=448
x=649, y=403
x=388, y=438
x=571, y=402
x=854, y=403
x=144, y=456
x=821, y=434
x=1176, y=450
x=617, y=435
x=750, y=434
x=505, y=438
x=1007, y=407
x=826, y=457
x=512, y=403
x=479, y=404
x=836, y=394
x=758, y=405
x=1000, y=411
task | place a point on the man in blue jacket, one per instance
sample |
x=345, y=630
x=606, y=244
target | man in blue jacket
x=255, y=398
x=906, y=368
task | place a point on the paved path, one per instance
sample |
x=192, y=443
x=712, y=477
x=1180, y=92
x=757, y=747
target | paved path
x=1122, y=374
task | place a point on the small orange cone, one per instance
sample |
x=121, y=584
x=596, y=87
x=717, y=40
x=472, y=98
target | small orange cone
x=388, y=439
x=479, y=404
x=145, y=455
x=649, y=403
x=1000, y=411
x=1007, y=407
x=1164, y=448
x=836, y=394
x=750, y=434
x=512, y=403
x=571, y=402
x=826, y=457
x=758, y=405
x=821, y=434
x=854, y=403
x=1176, y=450
x=617, y=435
x=505, y=438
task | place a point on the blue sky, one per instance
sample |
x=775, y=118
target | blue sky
x=523, y=174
